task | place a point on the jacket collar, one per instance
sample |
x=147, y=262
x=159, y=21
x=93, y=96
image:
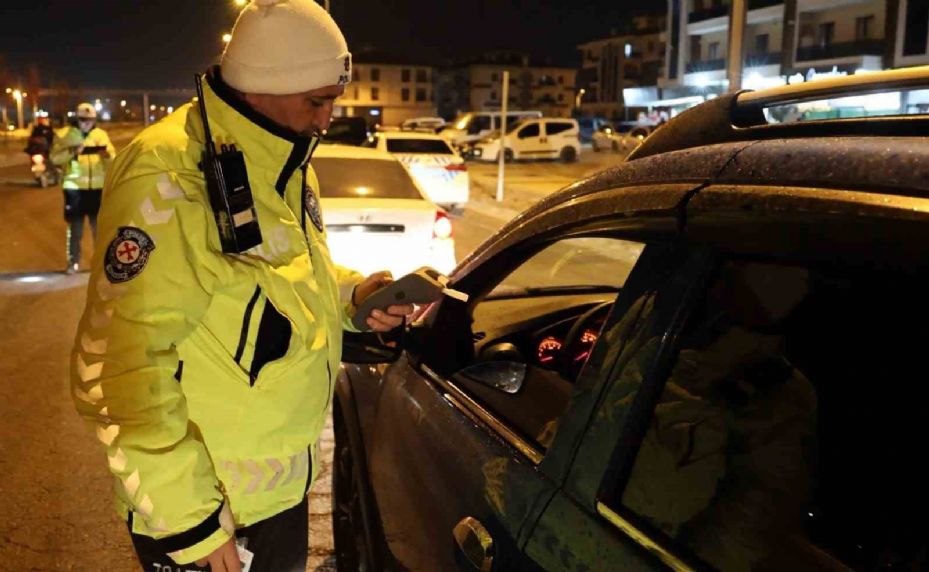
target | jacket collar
x=272, y=148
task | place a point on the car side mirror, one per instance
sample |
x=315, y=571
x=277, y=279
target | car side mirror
x=506, y=376
x=371, y=347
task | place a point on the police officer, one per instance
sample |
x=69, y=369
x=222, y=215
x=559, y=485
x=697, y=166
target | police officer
x=84, y=150
x=208, y=376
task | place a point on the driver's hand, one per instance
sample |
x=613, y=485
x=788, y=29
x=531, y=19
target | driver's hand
x=223, y=559
x=380, y=321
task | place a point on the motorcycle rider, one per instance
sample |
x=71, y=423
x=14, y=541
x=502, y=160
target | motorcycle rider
x=84, y=151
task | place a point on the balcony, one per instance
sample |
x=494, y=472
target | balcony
x=841, y=50
x=758, y=60
x=707, y=14
x=706, y=65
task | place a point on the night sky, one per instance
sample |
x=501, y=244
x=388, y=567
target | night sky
x=162, y=43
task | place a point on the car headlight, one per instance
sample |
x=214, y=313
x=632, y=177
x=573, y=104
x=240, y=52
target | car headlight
x=477, y=152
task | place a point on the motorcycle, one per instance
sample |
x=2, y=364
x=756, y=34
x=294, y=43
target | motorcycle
x=44, y=172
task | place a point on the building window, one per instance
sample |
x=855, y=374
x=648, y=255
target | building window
x=405, y=94
x=421, y=94
x=405, y=75
x=761, y=43
x=628, y=50
x=651, y=47
x=695, y=49
x=863, y=27
x=826, y=34
x=422, y=76
x=712, y=51
x=493, y=96
x=375, y=94
x=494, y=77
x=560, y=97
x=561, y=80
x=375, y=74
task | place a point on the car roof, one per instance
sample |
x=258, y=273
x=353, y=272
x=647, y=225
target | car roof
x=337, y=151
x=410, y=135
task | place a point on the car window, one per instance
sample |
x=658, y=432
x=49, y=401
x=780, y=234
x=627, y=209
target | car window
x=363, y=179
x=479, y=123
x=785, y=435
x=552, y=128
x=433, y=146
x=541, y=321
x=528, y=131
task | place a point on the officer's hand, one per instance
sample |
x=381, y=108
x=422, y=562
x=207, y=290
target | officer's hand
x=380, y=321
x=223, y=559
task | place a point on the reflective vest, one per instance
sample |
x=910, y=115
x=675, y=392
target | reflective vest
x=206, y=376
x=82, y=172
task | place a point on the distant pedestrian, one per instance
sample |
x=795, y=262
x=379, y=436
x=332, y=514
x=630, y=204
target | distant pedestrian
x=84, y=151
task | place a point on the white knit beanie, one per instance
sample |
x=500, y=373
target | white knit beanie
x=285, y=47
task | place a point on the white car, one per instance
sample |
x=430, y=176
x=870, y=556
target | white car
x=545, y=138
x=423, y=123
x=376, y=216
x=621, y=138
x=437, y=167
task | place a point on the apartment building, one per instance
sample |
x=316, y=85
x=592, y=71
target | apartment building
x=629, y=58
x=388, y=93
x=789, y=41
x=477, y=85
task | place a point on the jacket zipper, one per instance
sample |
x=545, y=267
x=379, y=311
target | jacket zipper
x=246, y=320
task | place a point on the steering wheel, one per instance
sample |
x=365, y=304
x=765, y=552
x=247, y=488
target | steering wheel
x=568, y=366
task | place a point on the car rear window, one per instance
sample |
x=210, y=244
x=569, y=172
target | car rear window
x=363, y=179
x=432, y=146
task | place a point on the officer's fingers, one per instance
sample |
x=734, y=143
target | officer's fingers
x=401, y=309
x=231, y=560
x=382, y=322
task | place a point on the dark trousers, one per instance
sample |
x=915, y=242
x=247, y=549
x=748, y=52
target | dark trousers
x=80, y=204
x=278, y=543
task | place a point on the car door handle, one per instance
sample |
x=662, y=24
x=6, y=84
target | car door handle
x=475, y=545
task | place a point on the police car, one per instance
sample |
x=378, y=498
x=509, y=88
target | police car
x=438, y=169
x=376, y=216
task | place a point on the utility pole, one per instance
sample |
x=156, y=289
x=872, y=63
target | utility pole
x=736, y=43
x=502, y=154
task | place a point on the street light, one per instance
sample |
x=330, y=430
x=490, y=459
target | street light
x=18, y=96
x=577, y=100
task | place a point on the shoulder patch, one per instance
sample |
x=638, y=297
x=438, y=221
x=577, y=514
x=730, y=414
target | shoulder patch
x=127, y=254
x=312, y=208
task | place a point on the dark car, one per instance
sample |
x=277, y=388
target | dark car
x=709, y=357
x=588, y=126
x=348, y=131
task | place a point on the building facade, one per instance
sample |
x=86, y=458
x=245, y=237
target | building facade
x=477, y=86
x=388, y=93
x=633, y=58
x=793, y=40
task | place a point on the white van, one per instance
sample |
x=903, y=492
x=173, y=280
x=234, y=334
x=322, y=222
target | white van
x=546, y=138
x=476, y=125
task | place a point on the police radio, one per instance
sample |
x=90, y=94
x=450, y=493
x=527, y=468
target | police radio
x=228, y=189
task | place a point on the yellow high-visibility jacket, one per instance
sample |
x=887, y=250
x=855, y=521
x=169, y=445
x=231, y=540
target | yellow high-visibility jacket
x=82, y=172
x=206, y=376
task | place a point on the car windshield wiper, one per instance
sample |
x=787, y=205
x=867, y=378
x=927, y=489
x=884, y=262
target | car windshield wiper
x=525, y=292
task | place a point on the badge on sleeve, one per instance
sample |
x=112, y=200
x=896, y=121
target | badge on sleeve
x=127, y=254
x=312, y=208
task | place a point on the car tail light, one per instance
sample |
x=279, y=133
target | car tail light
x=456, y=167
x=442, y=227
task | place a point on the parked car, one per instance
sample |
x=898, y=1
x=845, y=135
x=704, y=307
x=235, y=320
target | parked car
x=621, y=137
x=433, y=124
x=347, y=131
x=707, y=357
x=376, y=216
x=588, y=126
x=476, y=125
x=546, y=138
x=436, y=166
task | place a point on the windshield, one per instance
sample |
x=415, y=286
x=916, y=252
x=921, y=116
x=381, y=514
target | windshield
x=432, y=146
x=363, y=179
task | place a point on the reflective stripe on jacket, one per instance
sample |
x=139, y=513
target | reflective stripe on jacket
x=82, y=172
x=208, y=376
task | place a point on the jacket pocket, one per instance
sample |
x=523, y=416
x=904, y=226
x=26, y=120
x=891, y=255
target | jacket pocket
x=272, y=341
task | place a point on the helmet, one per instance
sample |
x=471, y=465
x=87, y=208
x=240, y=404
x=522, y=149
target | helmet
x=86, y=111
